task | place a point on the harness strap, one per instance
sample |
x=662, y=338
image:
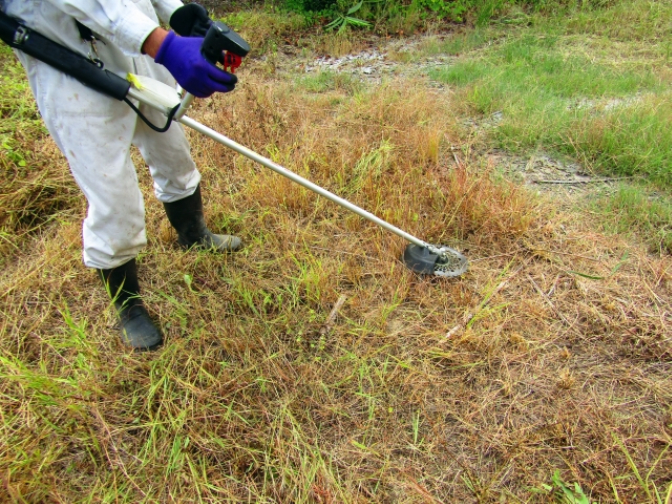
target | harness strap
x=88, y=72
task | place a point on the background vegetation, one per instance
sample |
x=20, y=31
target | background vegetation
x=312, y=366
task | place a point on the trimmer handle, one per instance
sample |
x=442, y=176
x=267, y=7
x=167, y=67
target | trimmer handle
x=225, y=46
x=221, y=45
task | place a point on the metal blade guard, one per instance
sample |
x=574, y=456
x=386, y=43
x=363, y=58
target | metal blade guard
x=435, y=260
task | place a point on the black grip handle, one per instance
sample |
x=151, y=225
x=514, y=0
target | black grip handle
x=222, y=38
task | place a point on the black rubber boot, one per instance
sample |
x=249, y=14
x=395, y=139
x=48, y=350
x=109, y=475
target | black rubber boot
x=186, y=216
x=137, y=329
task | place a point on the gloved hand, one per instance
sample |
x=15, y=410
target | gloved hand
x=190, y=20
x=183, y=59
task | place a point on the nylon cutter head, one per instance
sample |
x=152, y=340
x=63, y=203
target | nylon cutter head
x=437, y=260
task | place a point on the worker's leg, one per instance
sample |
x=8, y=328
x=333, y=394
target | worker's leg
x=167, y=154
x=176, y=179
x=95, y=132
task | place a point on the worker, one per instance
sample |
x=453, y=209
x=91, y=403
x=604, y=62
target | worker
x=95, y=132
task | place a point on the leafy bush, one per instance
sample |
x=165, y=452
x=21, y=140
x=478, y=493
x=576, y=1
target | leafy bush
x=478, y=11
x=310, y=6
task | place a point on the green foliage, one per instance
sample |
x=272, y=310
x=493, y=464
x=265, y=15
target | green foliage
x=443, y=9
x=387, y=11
x=343, y=21
x=391, y=14
x=566, y=493
x=13, y=152
x=482, y=11
x=310, y=6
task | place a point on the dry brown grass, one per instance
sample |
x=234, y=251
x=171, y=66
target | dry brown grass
x=420, y=390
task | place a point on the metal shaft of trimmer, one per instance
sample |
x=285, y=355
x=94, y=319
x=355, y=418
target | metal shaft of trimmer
x=219, y=138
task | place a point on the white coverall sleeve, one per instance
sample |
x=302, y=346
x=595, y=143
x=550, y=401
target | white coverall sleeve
x=165, y=8
x=119, y=21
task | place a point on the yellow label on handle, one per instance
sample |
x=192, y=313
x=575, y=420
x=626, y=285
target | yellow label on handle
x=133, y=79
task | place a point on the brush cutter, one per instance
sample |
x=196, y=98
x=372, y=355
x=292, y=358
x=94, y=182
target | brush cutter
x=220, y=45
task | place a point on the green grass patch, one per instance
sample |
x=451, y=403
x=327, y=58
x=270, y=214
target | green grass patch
x=533, y=66
x=461, y=74
x=637, y=20
x=328, y=80
x=636, y=140
x=459, y=43
x=552, y=94
x=639, y=210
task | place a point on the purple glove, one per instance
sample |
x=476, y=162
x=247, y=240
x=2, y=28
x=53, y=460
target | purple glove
x=183, y=59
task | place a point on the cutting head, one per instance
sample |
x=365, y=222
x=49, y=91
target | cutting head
x=436, y=260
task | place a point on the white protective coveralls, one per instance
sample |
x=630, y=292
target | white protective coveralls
x=95, y=132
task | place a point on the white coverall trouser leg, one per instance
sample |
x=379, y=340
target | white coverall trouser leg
x=95, y=134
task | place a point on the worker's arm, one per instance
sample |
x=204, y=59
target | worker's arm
x=153, y=42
